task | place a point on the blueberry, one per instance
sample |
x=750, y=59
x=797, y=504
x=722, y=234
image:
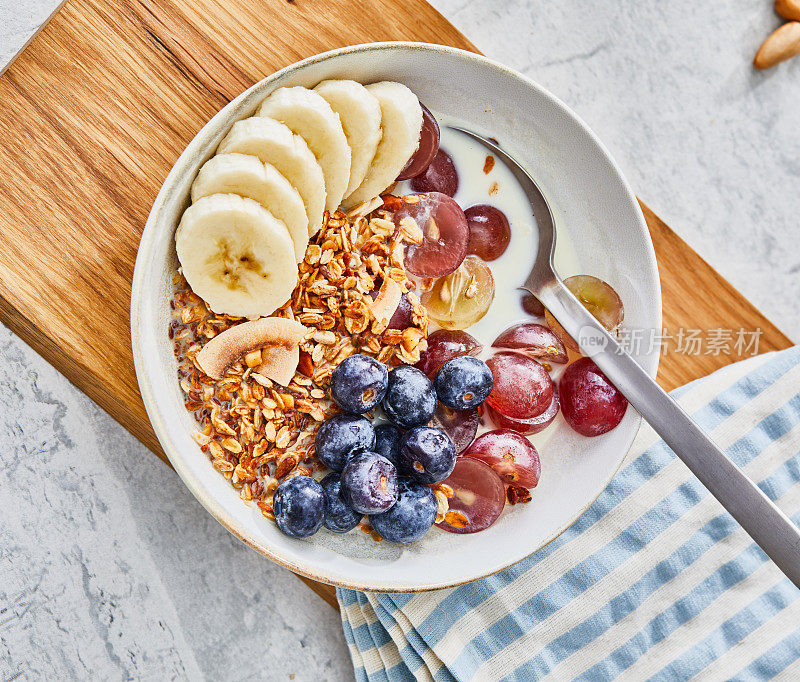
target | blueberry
x=358, y=384
x=340, y=436
x=387, y=442
x=427, y=455
x=299, y=506
x=410, y=399
x=463, y=382
x=338, y=516
x=369, y=483
x=411, y=516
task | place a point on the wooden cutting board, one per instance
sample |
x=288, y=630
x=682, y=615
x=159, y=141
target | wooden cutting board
x=97, y=109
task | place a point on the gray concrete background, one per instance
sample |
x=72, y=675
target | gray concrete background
x=110, y=569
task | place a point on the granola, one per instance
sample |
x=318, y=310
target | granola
x=257, y=432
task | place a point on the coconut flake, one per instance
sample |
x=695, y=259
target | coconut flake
x=279, y=363
x=275, y=333
x=385, y=304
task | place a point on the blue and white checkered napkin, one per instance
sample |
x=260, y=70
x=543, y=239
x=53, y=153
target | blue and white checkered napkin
x=655, y=580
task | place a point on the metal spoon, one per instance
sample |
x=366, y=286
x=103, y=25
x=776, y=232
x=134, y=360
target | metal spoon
x=753, y=510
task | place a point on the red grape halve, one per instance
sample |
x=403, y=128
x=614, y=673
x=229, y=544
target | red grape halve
x=591, y=404
x=527, y=427
x=522, y=387
x=428, y=146
x=479, y=496
x=535, y=340
x=489, y=231
x=511, y=455
x=444, y=345
x=444, y=234
x=460, y=425
x=440, y=176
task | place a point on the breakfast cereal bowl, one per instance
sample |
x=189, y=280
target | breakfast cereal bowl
x=601, y=231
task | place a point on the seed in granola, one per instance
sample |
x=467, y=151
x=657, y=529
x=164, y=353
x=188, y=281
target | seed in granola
x=517, y=494
x=201, y=438
x=305, y=364
x=327, y=338
x=243, y=474
x=386, y=354
x=222, y=465
x=442, y=505
x=313, y=254
x=381, y=227
x=411, y=231
x=232, y=444
x=286, y=463
x=253, y=359
x=283, y=437
x=411, y=338
x=457, y=519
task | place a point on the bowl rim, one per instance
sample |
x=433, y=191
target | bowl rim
x=649, y=362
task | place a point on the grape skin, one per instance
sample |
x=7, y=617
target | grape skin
x=591, y=404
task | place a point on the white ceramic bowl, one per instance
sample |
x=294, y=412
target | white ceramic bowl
x=594, y=208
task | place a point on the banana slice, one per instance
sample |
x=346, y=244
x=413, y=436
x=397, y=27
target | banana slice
x=307, y=114
x=273, y=143
x=360, y=115
x=236, y=255
x=401, y=125
x=246, y=176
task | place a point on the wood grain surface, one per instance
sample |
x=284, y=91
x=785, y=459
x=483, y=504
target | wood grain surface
x=96, y=111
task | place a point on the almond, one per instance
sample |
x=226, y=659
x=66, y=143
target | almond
x=305, y=366
x=788, y=9
x=783, y=44
x=253, y=359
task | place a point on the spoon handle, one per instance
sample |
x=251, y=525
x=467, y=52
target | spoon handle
x=771, y=529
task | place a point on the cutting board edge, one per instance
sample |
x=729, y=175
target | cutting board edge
x=652, y=219
x=76, y=373
x=32, y=36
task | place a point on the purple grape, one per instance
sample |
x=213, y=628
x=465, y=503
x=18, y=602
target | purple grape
x=427, y=148
x=460, y=425
x=440, y=176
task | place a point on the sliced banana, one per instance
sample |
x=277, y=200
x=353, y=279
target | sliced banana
x=307, y=114
x=273, y=143
x=360, y=115
x=401, y=125
x=246, y=176
x=236, y=255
